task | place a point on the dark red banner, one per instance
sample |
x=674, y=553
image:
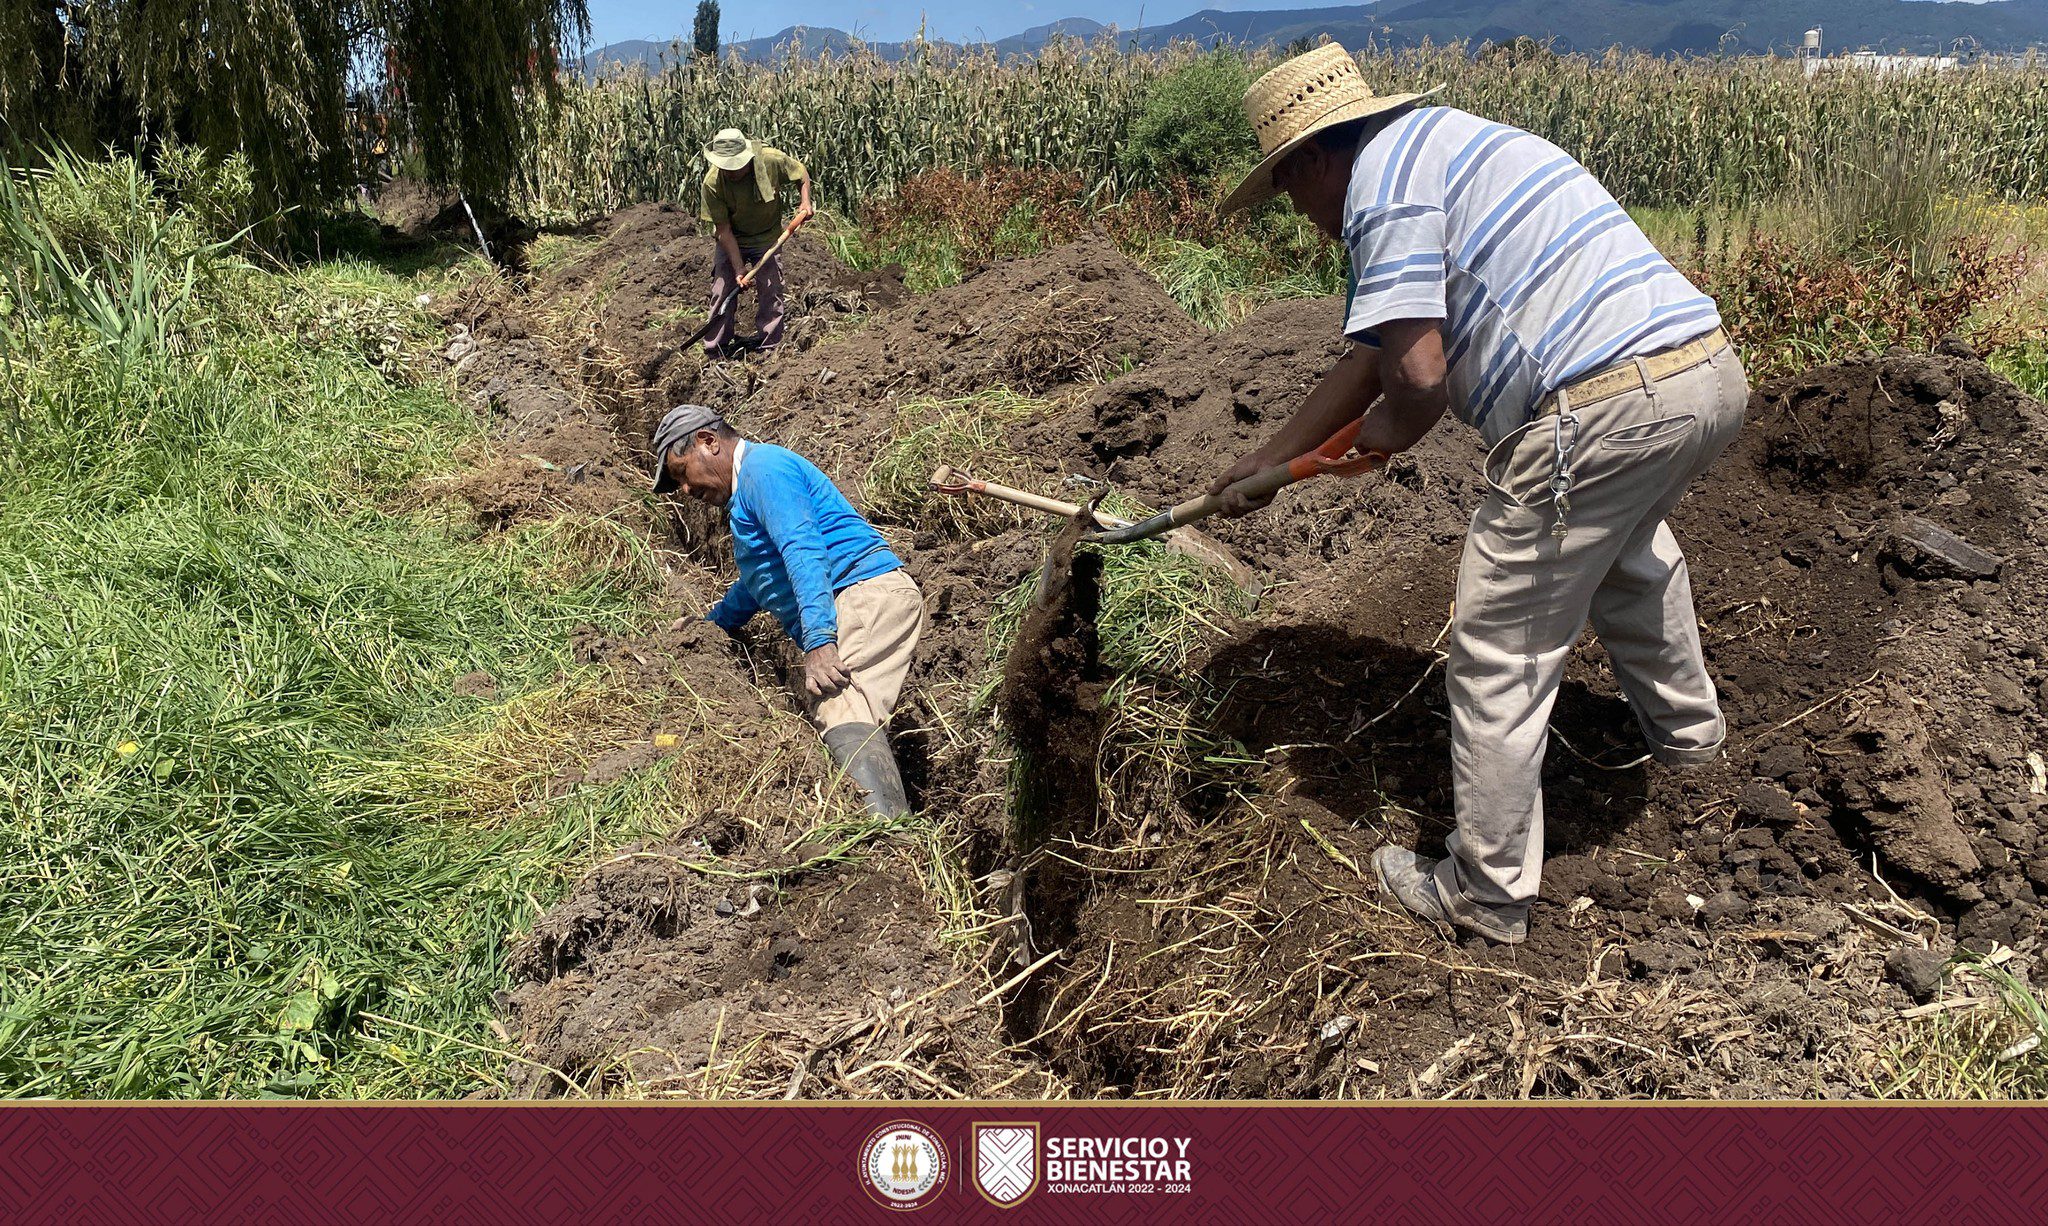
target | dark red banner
x=1094, y=1164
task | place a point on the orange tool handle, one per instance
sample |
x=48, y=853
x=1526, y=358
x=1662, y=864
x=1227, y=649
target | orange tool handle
x=1332, y=459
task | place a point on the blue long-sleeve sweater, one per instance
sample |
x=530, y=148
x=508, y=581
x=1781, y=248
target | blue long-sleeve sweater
x=797, y=542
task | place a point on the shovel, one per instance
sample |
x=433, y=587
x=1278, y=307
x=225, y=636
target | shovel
x=743, y=283
x=1332, y=459
x=1187, y=541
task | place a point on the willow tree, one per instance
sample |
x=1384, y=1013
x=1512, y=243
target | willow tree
x=287, y=82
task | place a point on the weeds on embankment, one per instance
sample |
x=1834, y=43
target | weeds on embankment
x=224, y=622
x=1986, y=1039
x=969, y=433
x=942, y=225
x=1858, y=260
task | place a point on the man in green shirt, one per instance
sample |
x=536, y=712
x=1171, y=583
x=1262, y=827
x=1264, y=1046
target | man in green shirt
x=742, y=198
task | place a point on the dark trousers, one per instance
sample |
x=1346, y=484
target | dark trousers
x=767, y=285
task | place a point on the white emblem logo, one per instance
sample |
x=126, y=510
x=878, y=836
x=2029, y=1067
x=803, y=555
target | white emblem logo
x=1005, y=1162
x=903, y=1165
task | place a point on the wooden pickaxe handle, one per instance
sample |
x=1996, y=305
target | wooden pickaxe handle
x=947, y=481
x=744, y=281
x=774, y=247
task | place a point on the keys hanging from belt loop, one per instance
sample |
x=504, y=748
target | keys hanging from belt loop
x=1561, y=480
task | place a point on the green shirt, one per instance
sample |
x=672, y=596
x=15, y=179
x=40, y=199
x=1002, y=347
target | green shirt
x=752, y=205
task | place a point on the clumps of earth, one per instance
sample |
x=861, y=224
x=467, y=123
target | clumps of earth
x=1867, y=562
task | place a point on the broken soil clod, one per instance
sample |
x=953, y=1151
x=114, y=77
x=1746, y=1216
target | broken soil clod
x=1051, y=696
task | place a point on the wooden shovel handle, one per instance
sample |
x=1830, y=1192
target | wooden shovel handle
x=794, y=224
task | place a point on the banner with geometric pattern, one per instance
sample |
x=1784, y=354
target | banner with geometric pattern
x=1022, y=1162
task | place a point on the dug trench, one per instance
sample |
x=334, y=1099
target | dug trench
x=1199, y=919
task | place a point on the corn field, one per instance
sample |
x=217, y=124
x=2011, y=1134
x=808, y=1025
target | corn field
x=1656, y=131
x=1741, y=130
x=860, y=124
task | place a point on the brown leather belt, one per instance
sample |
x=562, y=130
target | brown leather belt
x=1628, y=376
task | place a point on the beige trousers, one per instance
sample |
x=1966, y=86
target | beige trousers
x=880, y=620
x=1525, y=595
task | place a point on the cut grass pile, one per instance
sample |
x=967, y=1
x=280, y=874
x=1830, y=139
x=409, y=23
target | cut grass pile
x=970, y=433
x=1985, y=1039
x=218, y=640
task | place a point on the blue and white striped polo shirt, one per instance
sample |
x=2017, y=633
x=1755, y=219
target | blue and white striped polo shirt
x=1540, y=277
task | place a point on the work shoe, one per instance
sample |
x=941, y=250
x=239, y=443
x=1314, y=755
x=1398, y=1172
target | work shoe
x=1411, y=880
x=862, y=751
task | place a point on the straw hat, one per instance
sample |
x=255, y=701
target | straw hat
x=1299, y=99
x=729, y=150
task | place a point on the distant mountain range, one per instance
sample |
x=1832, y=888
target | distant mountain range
x=813, y=40
x=1663, y=27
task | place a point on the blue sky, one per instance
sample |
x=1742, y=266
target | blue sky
x=888, y=20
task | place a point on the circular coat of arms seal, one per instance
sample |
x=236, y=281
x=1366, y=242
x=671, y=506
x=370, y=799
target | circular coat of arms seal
x=903, y=1165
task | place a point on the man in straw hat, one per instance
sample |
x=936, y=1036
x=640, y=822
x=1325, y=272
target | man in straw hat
x=805, y=555
x=1493, y=276
x=742, y=198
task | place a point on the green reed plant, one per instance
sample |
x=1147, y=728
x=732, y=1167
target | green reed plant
x=225, y=619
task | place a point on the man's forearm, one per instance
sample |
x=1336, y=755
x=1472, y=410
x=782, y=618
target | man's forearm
x=1411, y=375
x=730, y=245
x=734, y=611
x=1341, y=395
x=1400, y=419
x=803, y=203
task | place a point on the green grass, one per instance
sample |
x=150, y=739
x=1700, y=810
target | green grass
x=929, y=259
x=551, y=252
x=1218, y=285
x=970, y=433
x=2025, y=364
x=224, y=626
x=945, y=225
x=1995, y=1051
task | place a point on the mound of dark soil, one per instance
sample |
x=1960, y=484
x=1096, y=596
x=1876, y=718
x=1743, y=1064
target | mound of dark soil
x=630, y=303
x=1164, y=431
x=1881, y=698
x=1042, y=325
x=655, y=978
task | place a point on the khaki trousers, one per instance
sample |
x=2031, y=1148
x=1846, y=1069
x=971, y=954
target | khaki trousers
x=1525, y=595
x=880, y=620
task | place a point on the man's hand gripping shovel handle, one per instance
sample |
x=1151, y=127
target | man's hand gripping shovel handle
x=794, y=223
x=1332, y=459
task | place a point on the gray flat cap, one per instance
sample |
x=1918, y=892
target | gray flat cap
x=678, y=426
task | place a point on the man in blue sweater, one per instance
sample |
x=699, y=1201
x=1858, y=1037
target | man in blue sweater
x=807, y=556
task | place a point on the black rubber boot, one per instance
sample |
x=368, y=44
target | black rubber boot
x=862, y=751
